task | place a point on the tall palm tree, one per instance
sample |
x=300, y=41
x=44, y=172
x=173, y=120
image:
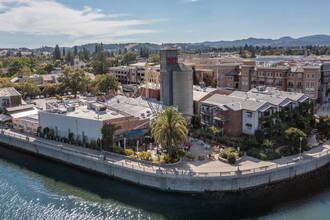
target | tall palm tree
x=170, y=130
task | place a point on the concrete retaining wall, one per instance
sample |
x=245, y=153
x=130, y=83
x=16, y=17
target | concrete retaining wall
x=183, y=183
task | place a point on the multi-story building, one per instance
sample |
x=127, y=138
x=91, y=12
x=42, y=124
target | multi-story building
x=228, y=75
x=325, y=76
x=259, y=109
x=9, y=97
x=128, y=75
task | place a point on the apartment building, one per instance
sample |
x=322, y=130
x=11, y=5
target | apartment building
x=228, y=75
x=259, y=109
x=325, y=76
x=128, y=75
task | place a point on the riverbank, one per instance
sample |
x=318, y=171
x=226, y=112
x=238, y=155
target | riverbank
x=169, y=178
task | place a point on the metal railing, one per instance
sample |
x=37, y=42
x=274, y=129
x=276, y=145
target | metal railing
x=153, y=168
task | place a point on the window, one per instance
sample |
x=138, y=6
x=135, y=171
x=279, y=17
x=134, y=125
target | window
x=261, y=74
x=312, y=84
x=278, y=74
x=249, y=114
x=230, y=84
x=290, y=83
x=312, y=75
x=307, y=76
x=270, y=74
x=248, y=126
x=245, y=73
x=229, y=78
x=261, y=82
x=299, y=75
x=307, y=84
x=269, y=82
x=299, y=84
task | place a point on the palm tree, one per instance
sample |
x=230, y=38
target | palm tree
x=170, y=130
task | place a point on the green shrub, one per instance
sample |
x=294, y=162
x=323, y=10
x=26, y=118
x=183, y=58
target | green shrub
x=181, y=152
x=145, y=156
x=231, y=158
x=201, y=157
x=190, y=156
x=167, y=158
x=262, y=156
x=273, y=156
x=118, y=150
x=129, y=152
x=225, y=152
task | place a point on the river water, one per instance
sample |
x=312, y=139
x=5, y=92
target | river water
x=34, y=188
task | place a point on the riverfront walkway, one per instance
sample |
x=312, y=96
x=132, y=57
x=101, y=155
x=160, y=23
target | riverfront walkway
x=197, y=167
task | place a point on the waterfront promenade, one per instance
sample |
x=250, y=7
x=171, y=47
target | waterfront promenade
x=183, y=176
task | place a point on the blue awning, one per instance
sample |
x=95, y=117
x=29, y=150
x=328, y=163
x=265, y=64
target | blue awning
x=133, y=133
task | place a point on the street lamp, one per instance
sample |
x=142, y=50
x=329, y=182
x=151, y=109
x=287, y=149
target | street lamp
x=104, y=157
x=238, y=149
x=158, y=156
x=300, y=147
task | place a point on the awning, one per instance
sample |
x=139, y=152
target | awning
x=133, y=133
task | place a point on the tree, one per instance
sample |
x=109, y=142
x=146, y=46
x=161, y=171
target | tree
x=107, y=82
x=15, y=66
x=170, y=130
x=155, y=59
x=74, y=79
x=19, y=54
x=194, y=76
x=25, y=71
x=69, y=58
x=5, y=83
x=129, y=58
x=75, y=51
x=100, y=63
x=57, y=53
x=29, y=87
x=259, y=135
x=108, y=131
x=253, y=54
x=49, y=88
x=292, y=137
x=323, y=124
x=213, y=130
x=207, y=78
x=63, y=51
x=196, y=121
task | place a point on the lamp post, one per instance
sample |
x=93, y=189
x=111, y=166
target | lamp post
x=158, y=155
x=124, y=143
x=300, y=147
x=238, y=149
x=101, y=138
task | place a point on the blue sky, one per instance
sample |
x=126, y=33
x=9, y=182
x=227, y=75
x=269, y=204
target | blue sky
x=35, y=23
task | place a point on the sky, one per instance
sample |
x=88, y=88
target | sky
x=36, y=23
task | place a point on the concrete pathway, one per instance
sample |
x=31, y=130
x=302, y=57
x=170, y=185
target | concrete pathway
x=205, y=167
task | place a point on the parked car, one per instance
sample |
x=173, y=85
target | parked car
x=37, y=97
x=42, y=96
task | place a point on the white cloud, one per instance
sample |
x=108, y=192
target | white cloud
x=47, y=17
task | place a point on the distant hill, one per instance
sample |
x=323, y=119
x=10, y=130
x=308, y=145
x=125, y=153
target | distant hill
x=317, y=40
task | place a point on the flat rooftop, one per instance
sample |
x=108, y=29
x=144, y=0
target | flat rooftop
x=8, y=92
x=135, y=106
x=82, y=111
